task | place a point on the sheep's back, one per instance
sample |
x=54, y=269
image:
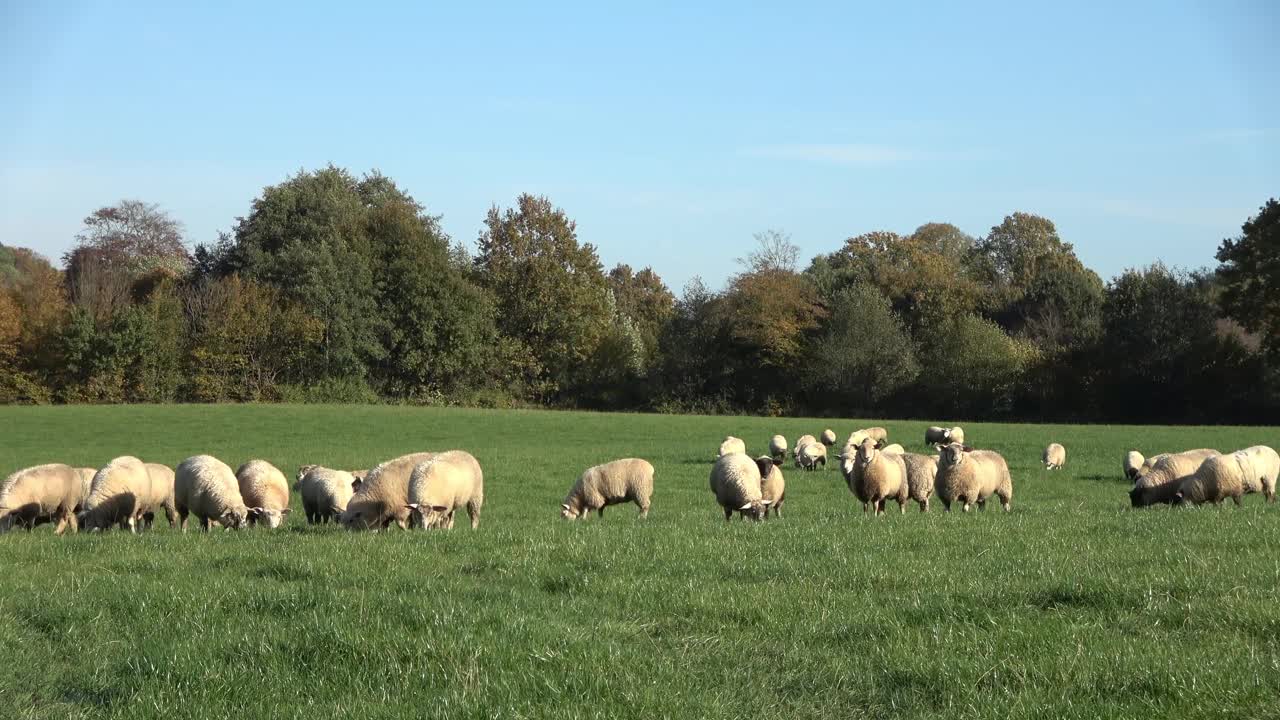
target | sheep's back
x=261, y=484
x=49, y=486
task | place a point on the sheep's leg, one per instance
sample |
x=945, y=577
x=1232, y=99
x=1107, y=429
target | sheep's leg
x=644, y=509
x=1237, y=499
x=600, y=511
x=777, y=510
x=204, y=524
x=182, y=519
x=728, y=514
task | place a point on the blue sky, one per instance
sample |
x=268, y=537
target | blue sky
x=670, y=133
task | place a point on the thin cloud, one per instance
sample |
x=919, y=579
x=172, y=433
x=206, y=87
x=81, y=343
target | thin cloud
x=851, y=155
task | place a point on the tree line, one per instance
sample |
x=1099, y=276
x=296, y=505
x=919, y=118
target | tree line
x=343, y=288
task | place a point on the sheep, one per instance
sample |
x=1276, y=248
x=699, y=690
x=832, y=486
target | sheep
x=874, y=476
x=957, y=435
x=40, y=492
x=801, y=442
x=1055, y=456
x=442, y=484
x=778, y=447
x=325, y=492
x=935, y=435
x=357, y=478
x=736, y=480
x=204, y=486
x=161, y=496
x=922, y=472
x=383, y=497
x=1219, y=477
x=893, y=448
x=878, y=434
x=812, y=455
x=1133, y=462
x=1166, y=494
x=828, y=437
x=773, y=487
x=620, y=481
x=1171, y=467
x=121, y=495
x=1261, y=464
x=972, y=476
x=265, y=492
x=732, y=444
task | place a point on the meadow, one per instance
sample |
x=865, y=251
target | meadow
x=1071, y=606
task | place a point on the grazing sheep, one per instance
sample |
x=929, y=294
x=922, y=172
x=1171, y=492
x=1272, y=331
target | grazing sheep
x=265, y=492
x=736, y=480
x=1219, y=477
x=204, y=486
x=383, y=497
x=442, y=484
x=1055, y=456
x=325, y=492
x=38, y=493
x=828, y=437
x=1166, y=494
x=732, y=444
x=620, y=481
x=935, y=435
x=893, y=448
x=801, y=442
x=778, y=447
x=357, y=478
x=161, y=497
x=1261, y=464
x=1133, y=462
x=773, y=487
x=879, y=434
x=812, y=455
x=1175, y=466
x=956, y=435
x=874, y=476
x=922, y=472
x=121, y=495
x=972, y=476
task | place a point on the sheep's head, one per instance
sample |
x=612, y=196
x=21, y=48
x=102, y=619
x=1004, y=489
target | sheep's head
x=569, y=512
x=755, y=509
x=364, y=516
x=358, y=478
x=234, y=519
x=952, y=454
x=272, y=518
x=765, y=465
x=867, y=452
x=426, y=516
x=303, y=470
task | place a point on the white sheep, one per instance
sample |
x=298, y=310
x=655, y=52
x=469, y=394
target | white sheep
x=383, y=497
x=441, y=485
x=43, y=492
x=773, y=487
x=1173, y=466
x=86, y=484
x=161, y=497
x=935, y=435
x=1133, y=462
x=736, y=482
x=204, y=486
x=778, y=447
x=922, y=473
x=874, y=476
x=264, y=491
x=812, y=455
x=1055, y=456
x=1219, y=477
x=801, y=442
x=893, y=448
x=732, y=444
x=1261, y=465
x=620, y=481
x=972, y=476
x=325, y=492
x=121, y=495
x=828, y=437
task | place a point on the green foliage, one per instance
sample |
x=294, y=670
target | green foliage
x=864, y=355
x=1071, y=606
x=971, y=368
x=1250, y=274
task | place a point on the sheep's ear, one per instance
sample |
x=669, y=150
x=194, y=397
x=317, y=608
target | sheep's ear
x=766, y=502
x=253, y=512
x=411, y=507
x=440, y=508
x=565, y=506
x=777, y=462
x=966, y=448
x=745, y=507
x=355, y=484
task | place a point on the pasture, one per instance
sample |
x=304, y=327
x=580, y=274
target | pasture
x=1071, y=606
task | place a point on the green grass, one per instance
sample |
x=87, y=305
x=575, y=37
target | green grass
x=1072, y=606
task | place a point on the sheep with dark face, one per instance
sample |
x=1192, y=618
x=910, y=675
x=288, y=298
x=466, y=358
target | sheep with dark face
x=1171, y=467
x=773, y=487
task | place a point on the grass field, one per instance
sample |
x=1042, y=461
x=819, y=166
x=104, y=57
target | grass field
x=1071, y=606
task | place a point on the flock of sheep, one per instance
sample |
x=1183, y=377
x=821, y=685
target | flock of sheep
x=425, y=490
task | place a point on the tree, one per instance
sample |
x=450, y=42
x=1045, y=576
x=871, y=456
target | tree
x=971, y=368
x=117, y=246
x=550, y=290
x=863, y=356
x=1250, y=274
x=644, y=299
x=776, y=253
